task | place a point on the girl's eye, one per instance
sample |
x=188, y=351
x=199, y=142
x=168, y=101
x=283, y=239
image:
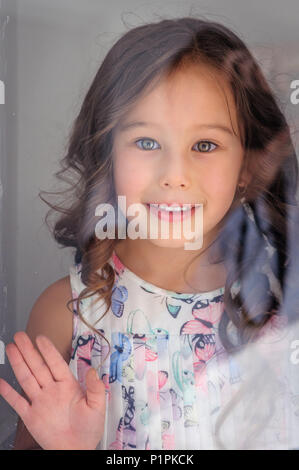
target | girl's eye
x=203, y=149
x=148, y=145
x=206, y=144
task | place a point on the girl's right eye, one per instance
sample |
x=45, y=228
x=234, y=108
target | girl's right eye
x=146, y=147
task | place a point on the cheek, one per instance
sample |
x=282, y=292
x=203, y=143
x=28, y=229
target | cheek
x=219, y=190
x=129, y=179
x=221, y=181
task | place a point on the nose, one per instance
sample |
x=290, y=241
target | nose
x=175, y=173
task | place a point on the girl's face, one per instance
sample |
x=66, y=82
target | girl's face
x=180, y=147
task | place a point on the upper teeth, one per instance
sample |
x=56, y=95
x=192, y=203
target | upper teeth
x=173, y=208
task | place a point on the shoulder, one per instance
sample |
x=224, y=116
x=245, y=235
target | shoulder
x=51, y=317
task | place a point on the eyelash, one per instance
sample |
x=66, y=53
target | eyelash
x=146, y=138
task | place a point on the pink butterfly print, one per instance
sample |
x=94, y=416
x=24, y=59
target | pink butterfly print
x=117, y=263
x=150, y=355
x=139, y=356
x=208, y=311
x=205, y=353
x=105, y=379
x=168, y=441
x=200, y=375
x=152, y=393
x=125, y=438
x=100, y=348
x=150, y=346
x=193, y=327
x=82, y=368
x=147, y=447
x=142, y=353
x=162, y=378
x=84, y=347
x=118, y=443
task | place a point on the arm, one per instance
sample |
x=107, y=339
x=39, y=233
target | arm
x=50, y=317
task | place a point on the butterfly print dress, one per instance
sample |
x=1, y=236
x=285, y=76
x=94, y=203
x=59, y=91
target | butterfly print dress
x=167, y=375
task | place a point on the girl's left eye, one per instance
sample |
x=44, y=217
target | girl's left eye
x=206, y=142
x=150, y=147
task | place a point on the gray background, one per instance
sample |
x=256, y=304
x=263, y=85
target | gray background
x=50, y=51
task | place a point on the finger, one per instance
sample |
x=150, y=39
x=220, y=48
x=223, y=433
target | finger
x=22, y=372
x=56, y=363
x=18, y=403
x=95, y=390
x=33, y=359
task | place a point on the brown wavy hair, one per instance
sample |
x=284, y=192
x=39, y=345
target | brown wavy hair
x=134, y=64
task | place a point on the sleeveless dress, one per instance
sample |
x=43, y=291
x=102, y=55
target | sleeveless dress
x=167, y=376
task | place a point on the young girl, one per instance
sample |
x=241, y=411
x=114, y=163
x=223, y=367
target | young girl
x=179, y=113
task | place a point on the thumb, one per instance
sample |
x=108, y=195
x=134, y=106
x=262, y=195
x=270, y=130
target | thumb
x=95, y=390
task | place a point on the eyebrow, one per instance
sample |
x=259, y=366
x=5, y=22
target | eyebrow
x=130, y=125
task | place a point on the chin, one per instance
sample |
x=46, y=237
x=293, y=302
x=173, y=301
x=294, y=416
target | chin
x=169, y=243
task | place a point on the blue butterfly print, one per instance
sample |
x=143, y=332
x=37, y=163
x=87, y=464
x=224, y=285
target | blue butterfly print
x=218, y=298
x=128, y=396
x=128, y=435
x=81, y=341
x=119, y=296
x=172, y=309
x=97, y=348
x=122, y=351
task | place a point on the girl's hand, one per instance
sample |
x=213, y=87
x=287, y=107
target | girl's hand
x=60, y=415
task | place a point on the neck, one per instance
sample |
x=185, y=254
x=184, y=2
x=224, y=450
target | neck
x=170, y=267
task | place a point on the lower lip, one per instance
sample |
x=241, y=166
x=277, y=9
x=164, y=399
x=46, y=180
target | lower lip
x=171, y=216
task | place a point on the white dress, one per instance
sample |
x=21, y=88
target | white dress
x=168, y=377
